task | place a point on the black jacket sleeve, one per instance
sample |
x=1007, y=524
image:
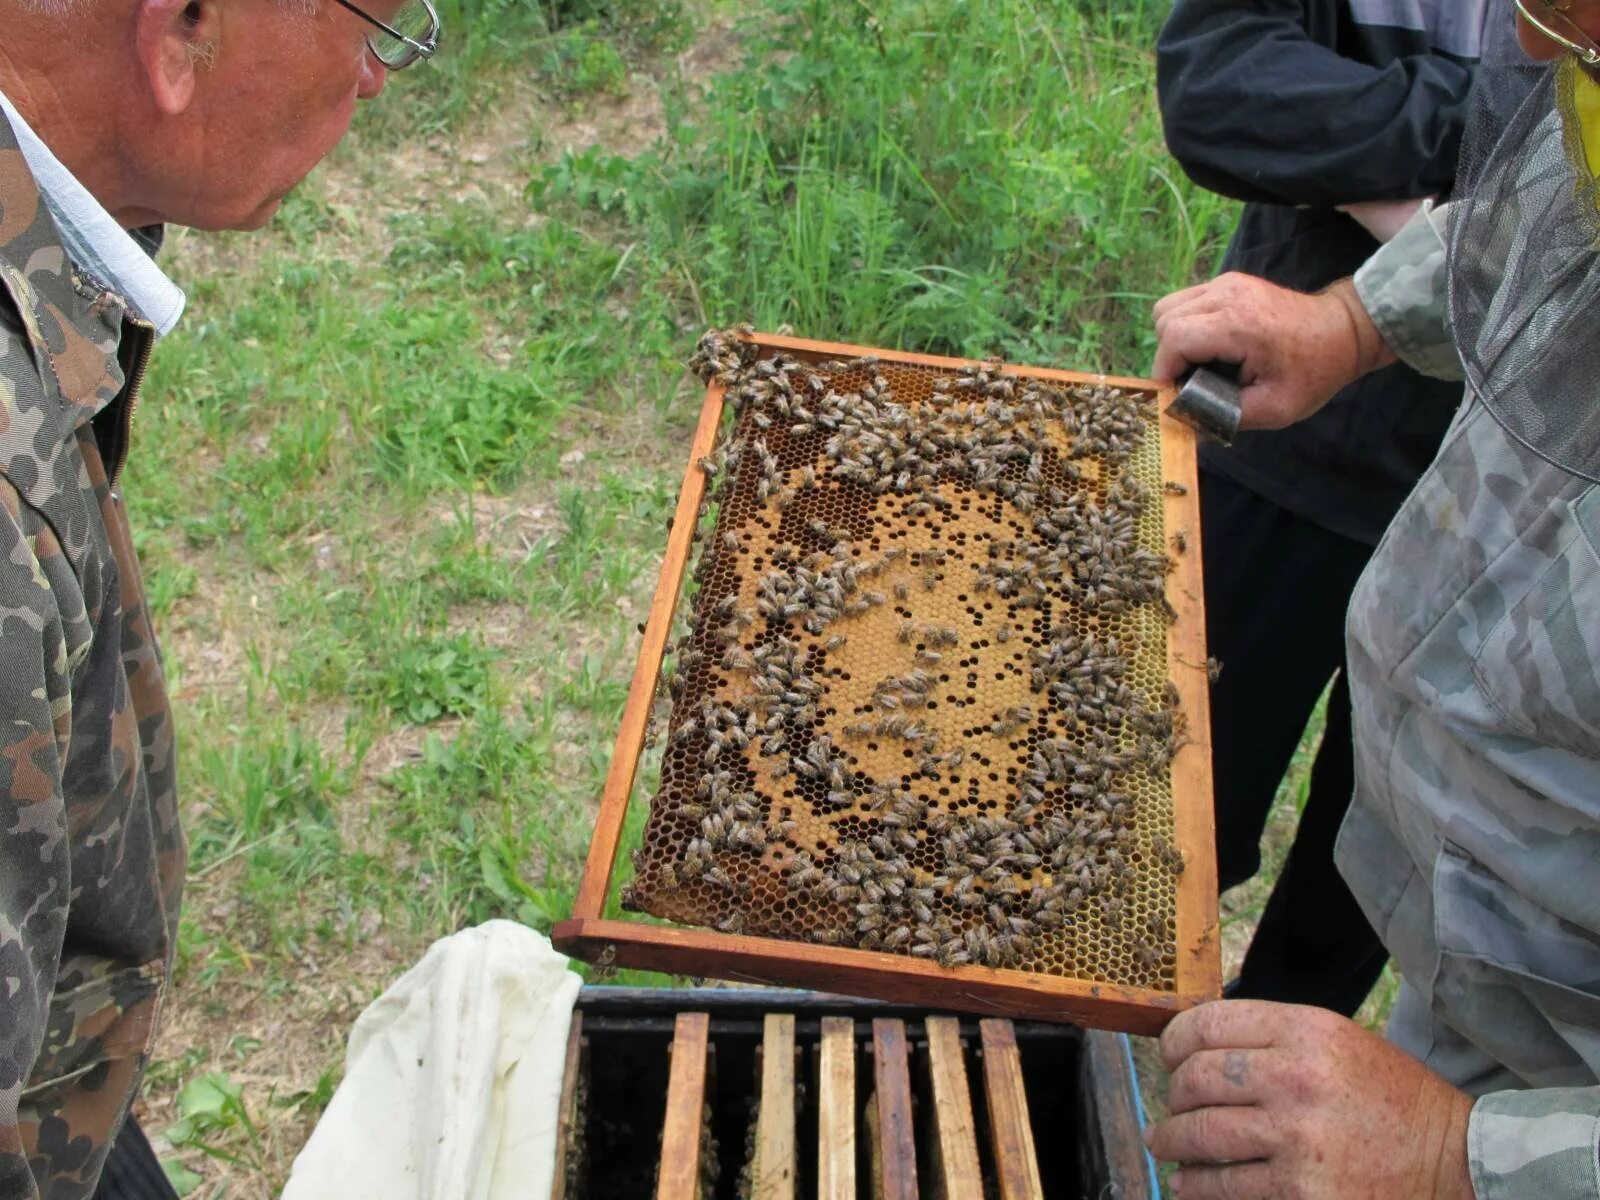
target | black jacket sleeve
x=1257, y=108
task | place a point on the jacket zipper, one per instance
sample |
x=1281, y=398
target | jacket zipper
x=130, y=402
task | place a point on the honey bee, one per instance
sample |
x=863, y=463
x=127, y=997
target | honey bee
x=805, y=877
x=1168, y=854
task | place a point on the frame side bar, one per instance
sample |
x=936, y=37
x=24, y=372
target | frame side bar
x=1199, y=965
x=608, y=823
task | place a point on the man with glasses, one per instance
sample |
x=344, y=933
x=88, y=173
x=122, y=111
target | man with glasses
x=1473, y=838
x=115, y=116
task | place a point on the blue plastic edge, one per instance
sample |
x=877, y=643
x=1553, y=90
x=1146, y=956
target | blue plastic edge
x=1138, y=1107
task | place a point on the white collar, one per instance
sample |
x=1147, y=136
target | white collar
x=94, y=241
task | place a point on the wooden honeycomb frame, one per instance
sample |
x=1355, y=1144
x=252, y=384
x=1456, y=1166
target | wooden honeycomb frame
x=1001, y=991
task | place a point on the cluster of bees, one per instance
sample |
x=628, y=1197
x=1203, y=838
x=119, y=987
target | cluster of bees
x=914, y=711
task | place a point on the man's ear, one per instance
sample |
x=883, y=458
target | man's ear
x=174, y=40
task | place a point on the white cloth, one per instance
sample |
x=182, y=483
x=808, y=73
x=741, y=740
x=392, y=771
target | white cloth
x=92, y=238
x=452, y=1078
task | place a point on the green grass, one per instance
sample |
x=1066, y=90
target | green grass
x=402, y=479
x=968, y=178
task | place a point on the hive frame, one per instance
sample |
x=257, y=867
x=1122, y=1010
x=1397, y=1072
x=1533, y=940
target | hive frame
x=643, y=945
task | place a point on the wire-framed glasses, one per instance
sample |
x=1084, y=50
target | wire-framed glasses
x=1550, y=18
x=412, y=33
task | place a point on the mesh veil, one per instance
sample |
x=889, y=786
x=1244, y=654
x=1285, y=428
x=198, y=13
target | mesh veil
x=1524, y=265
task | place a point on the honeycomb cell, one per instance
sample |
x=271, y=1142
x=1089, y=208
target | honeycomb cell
x=922, y=704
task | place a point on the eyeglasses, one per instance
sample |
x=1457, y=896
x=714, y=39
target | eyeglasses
x=1552, y=14
x=412, y=33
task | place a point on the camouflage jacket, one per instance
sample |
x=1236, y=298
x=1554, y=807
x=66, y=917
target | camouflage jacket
x=91, y=856
x=1473, y=841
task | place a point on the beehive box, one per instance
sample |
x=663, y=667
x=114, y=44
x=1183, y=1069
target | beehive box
x=759, y=1094
x=937, y=714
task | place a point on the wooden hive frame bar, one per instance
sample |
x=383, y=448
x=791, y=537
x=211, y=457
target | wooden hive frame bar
x=640, y=944
x=682, y=1136
x=895, y=1146
x=1010, y=1130
x=569, y=1114
x=955, y=1144
x=836, y=1108
x=774, y=1170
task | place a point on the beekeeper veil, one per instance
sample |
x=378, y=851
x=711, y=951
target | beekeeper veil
x=1524, y=254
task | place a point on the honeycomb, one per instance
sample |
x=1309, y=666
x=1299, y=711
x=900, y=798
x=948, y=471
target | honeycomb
x=921, y=706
